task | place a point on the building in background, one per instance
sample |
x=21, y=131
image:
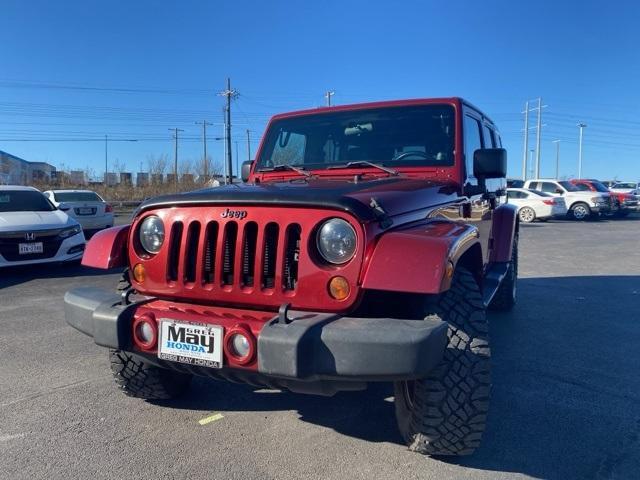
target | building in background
x=142, y=179
x=126, y=178
x=78, y=177
x=18, y=171
x=112, y=179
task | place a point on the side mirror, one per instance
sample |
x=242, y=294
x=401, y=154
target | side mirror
x=559, y=192
x=246, y=170
x=64, y=207
x=490, y=163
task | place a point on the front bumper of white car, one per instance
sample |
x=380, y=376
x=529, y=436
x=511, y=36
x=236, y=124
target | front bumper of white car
x=53, y=250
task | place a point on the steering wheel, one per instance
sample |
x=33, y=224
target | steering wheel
x=418, y=153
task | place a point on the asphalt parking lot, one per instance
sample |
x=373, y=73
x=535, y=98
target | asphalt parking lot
x=566, y=389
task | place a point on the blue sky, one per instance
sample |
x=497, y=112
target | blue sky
x=133, y=69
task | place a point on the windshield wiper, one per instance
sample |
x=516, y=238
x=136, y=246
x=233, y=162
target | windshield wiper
x=364, y=163
x=292, y=168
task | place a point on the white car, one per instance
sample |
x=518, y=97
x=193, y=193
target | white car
x=626, y=187
x=33, y=230
x=580, y=204
x=86, y=206
x=535, y=205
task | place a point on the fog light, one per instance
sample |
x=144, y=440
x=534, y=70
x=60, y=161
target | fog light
x=339, y=288
x=240, y=345
x=139, y=273
x=145, y=332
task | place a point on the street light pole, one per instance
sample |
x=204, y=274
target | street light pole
x=557, y=142
x=106, y=167
x=526, y=141
x=581, y=126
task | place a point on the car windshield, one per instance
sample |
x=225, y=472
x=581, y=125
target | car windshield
x=625, y=185
x=24, y=201
x=393, y=136
x=77, y=197
x=569, y=187
x=600, y=187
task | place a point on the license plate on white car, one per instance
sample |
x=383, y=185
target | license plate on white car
x=190, y=343
x=30, y=248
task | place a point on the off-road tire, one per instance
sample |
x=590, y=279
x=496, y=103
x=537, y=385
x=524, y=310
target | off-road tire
x=137, y=378
x=527, y=215
x=506, y=296
x=446, y=412
x=580, y=211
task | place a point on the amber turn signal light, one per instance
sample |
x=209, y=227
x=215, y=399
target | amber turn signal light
x=139, y=273
x=339, y=288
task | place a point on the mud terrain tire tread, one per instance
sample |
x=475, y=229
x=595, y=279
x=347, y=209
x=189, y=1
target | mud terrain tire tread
x=137, y=378
x=448, y=410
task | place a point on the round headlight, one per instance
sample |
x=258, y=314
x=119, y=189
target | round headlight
x=152, y=234
x=336, y=241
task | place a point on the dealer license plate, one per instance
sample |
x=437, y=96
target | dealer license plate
x=85, y=211
x=190, y=343
x=29, y=248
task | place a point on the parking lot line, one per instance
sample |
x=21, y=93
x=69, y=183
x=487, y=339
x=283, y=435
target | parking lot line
x=211, y=418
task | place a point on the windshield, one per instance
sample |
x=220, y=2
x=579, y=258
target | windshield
x=24, y=201
x=77, y=197
x=569, y=187
x=393, y=136
x=625, y=185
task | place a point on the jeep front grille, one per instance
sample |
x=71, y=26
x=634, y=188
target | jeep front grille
x=243, y=251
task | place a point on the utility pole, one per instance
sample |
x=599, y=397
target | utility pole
x=230, y=94
x=557, y=142
x=538, y=135
x=106, y=167
x=532, y=151
x=526, y=141
x=581, y=126
x=205, y=166
x=248, y=144
x=328, y=95
x=175, y=160
x=237, y=158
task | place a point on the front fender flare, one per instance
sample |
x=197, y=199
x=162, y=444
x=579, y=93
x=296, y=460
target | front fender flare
x=503, y=231
x=107, y=248
x=415, y=259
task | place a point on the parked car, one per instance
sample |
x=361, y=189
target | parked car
x=33, y=230
x=622, y=203
x=86, y=206
x=626, y=187
x=535, y=205
x=365, y=246
x=580, y=204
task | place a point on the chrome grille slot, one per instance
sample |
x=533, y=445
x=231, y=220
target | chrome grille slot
x=210, y=249
x=269, y=256
x=249, y=244
x=174, y=251
x=291, y=257
x=191, y=252
x=228, y=252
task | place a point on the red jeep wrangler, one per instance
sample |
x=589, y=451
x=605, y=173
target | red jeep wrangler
x=365, y=245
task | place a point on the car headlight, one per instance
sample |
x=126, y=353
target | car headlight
x=336, y=241
x=151, y=234
x=70, y=231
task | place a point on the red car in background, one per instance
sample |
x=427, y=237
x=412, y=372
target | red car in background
x=622, y=204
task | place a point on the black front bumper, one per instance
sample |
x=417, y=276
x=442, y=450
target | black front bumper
x=312, y=347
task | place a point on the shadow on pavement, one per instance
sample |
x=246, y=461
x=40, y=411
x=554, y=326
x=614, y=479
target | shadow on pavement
x=11, y=276
x=566, y=393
